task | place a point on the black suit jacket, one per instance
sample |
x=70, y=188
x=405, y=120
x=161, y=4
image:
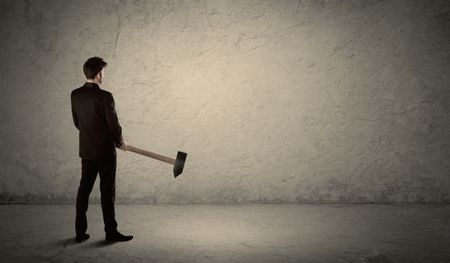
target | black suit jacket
x=95, y=117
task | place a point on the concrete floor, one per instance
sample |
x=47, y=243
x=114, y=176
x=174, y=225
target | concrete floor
x=231, y=233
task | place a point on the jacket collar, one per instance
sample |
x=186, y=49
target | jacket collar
x=91, y=85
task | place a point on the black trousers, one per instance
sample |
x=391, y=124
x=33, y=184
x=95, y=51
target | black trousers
x=89, y=169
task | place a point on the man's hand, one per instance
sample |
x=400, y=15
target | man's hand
x=124, y=146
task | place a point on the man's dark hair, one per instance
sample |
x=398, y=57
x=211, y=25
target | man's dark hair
x=93, y=66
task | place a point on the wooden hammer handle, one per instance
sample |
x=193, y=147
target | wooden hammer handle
x=150, y=154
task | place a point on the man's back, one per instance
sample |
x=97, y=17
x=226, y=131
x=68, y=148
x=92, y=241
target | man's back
x=95, y=117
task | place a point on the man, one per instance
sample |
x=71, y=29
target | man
x=94, y=115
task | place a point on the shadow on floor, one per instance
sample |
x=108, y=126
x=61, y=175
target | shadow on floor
x=100, y=243
x=65, y=242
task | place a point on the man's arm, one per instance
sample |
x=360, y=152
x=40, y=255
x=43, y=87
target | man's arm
x=113, y=121
x=74, y=114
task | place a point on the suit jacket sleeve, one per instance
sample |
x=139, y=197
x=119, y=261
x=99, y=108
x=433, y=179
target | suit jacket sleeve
x=74, y=114
x=113, y=121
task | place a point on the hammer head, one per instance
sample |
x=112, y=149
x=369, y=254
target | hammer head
x=179, y=164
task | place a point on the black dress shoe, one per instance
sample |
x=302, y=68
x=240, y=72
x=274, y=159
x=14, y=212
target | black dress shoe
x=81, y=238
x=117, y=237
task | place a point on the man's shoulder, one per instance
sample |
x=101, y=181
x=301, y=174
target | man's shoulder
x=100, y=92
x=105, y=96
x=105, y=92
x=75, y=90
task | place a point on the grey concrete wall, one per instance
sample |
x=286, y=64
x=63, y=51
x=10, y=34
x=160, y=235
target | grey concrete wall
x=274, y=101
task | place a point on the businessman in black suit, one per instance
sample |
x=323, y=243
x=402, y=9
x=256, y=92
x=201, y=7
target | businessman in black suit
x=95, y=117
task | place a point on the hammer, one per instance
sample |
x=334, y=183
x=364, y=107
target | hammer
x=178, y=164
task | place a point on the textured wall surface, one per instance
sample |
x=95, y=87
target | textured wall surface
x=274, y=101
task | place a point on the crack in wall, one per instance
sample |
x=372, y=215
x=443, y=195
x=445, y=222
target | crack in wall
x=119, y=27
